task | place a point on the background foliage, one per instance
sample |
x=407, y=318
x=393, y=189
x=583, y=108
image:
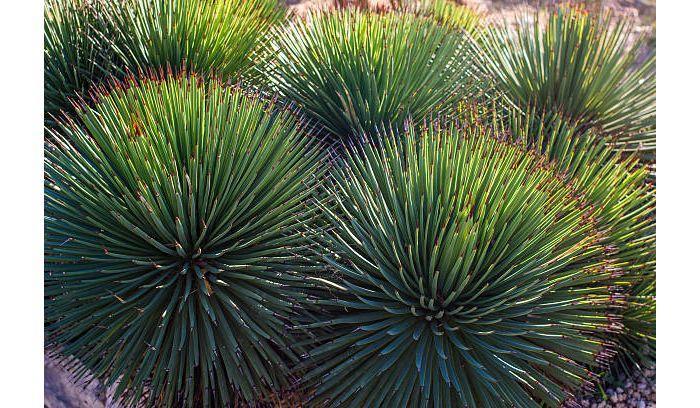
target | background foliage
x=205, y=37
x=358, y=72
x=77, y=52
x=581, y=66
x=88, y=41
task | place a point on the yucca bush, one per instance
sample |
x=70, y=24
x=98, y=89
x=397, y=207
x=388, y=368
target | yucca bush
x=87, y=42
x=454, y=15
x=465, y=272
x=586, y=67
x=173, y=251
x=358, y=72
x=77, y=52
x=447, y=12
x=206, y=37
x=625, y=211
x=639, y=321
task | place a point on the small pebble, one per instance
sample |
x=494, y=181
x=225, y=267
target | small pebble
x=638, y=391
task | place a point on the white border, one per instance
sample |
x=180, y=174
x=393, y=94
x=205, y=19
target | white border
x=21, y=120
x=678, y=230
x=21, y=201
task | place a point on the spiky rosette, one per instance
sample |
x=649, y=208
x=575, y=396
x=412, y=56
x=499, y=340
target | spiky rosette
x=467, y=273
x=204, y=37
x=589, y=68
x=173, y=251
x=76, y=52
x=625, y=204
x=358, y=72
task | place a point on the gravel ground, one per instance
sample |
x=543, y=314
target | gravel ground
x=62, y=390
x=637, y=391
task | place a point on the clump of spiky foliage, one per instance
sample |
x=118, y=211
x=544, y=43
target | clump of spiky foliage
x=76, y=52
x=466, y=273
x=357, y=72
x=86, y=41
x=625, y=204
x=585, y=67
x=454, y=15
x=173, y=251
x=639, y=321
x=447, y=12
x=207, y=37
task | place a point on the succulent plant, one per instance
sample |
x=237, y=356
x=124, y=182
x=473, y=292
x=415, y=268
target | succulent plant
x=358, y=72
x=589, y=68
x=205, y=37
x=625, y=206
x=76, y=52
x=465, y=272
x=173, y=247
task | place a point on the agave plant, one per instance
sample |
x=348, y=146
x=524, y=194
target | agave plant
x=357, y=72
x=206, y=37
x=625, y=204
x=587, y=67
x=76, y=52
x=173, y=255
x=466, y=273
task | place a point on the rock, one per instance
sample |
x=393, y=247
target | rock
x=639, y=390
x=61, y=390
